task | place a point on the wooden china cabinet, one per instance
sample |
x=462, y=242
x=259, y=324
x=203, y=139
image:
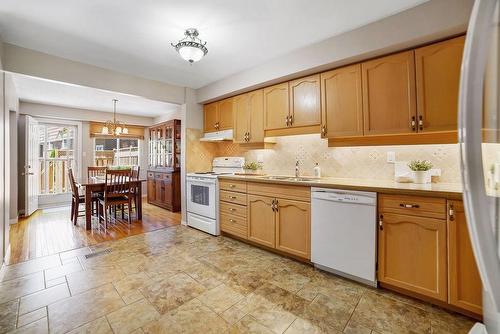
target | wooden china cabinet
x=164, y=186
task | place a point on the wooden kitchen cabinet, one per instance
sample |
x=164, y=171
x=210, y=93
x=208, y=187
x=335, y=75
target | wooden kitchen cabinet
x=412, y=254
x=463, y=276
x=249, y=117
x=261, y=220
x=218, y=115
x=437, y=68
x=389, y=104
x=341, y=102
x=164, y=190
x=304, y=101
x=293, y=227
x=276, y=107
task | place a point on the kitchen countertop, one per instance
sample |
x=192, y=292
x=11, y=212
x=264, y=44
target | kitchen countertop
x=448, y=190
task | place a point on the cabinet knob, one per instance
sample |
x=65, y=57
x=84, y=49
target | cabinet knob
x=232, y=197
x=420, y=123
x=323, y=130
x=287, y=120
x=413, y=124
x=232, y=209
x=381, y=223
x=232, y=221
x=409, y=206
x=451, y=212
x=232, y=186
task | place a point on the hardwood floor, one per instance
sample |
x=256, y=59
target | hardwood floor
x=50, y=231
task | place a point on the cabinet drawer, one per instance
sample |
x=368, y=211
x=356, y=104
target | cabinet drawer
x=231, y=185
x=413, y=205
x=233, y=225
x=151, y=175
x=159, y=176
x=301, y=193
x=233, y=197
x=233, y=209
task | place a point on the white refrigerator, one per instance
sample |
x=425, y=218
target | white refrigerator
x=479, y=136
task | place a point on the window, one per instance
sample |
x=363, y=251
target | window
x=57, y=154
x=116, y=151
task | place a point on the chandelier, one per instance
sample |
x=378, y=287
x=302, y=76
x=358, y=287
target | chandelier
x=114, y=127
x=191, y=48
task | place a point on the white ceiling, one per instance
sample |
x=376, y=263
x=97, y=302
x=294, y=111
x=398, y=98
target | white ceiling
x=30, y=89
x=134, y=37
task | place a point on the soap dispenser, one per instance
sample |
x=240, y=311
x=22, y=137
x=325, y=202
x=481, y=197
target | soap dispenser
x=317, y=171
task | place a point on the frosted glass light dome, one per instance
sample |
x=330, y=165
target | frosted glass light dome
x=191, y=48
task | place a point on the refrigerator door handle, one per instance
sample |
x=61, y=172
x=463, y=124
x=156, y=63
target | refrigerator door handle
x=476, y=201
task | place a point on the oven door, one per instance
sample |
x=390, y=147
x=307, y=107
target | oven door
x=201, y=197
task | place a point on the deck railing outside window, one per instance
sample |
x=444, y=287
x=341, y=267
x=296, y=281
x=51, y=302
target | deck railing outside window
x=116, y=152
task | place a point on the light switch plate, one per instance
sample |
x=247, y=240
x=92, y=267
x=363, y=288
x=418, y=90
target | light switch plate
x=391, y=157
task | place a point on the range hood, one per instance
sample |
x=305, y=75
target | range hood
x=218, y=136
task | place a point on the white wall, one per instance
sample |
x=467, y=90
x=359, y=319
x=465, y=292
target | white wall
x=430, y=21
x=11, y=111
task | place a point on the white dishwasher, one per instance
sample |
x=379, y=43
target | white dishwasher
x=344, y=232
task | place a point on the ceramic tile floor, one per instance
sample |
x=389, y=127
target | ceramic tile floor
x=179, y=280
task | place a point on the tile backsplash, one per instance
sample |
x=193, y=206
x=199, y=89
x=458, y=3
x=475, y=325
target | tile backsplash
x=368, y=162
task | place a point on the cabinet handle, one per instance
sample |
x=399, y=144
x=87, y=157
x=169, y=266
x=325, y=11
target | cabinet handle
x=232, y=186
x=248, y=136
x=420, y=123
x=451, y=212
x=232, y=197
x=273, y=205
x=323, y=130
x=287, y=120
x=232, y=221
x=232, y=209
x=291, y=119
x=276, y=205
x=409, y=206
x=381, y=223
x=413, y=124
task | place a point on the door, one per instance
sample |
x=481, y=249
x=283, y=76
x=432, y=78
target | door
x=437, y=69
x=412, y=254
x=389, y=94
x=201, y=197
x=293, y=227
x=341, y=102
x=305, y=101
x=241, y=118
x=256, y=119
x=210, y=117
x=32, y=167
x=261, y=220
x=276, y=108
x=463, y=277
x=225, y=114
x=479, y=91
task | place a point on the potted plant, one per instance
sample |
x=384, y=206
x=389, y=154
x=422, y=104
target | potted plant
x=420, y=170
x=251, y=167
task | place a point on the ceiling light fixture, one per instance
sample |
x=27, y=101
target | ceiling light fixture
x=114, y=127
x=191, y=48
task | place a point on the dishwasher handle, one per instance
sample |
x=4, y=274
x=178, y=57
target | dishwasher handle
x=345, y=197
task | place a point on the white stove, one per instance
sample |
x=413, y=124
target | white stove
x=203, y=193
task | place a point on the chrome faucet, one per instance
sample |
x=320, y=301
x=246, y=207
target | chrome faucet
x=297, y=170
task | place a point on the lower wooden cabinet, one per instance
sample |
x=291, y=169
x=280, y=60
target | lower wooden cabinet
x=463, y=280
x=412, y=254
x=293, y=227
x=164, y=190
x=261, y=220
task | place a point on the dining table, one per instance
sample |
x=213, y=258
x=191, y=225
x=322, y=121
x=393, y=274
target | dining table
x=96, y=185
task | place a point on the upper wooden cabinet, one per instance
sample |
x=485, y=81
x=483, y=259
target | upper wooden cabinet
x=276, y=107
x=389, y=94
x=341, y=102
x=210, y=117
x=249, y=117
x=463, y=278
x=438, y=78
x=218, y=115
x=304, y=101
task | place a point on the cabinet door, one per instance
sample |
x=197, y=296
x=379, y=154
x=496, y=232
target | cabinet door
x=160, y=192
x=412, y=254
x=464, y=280
x=438, y=78
x=389, y=94
x=293, y=228
x=151, y=190
x=256, y=119
x=261, y=220
x=167, y=193
x=241, y=118
x=225, y=114
x=210, y=117
x=341, y=102
x=305, y=101
x=276, y=108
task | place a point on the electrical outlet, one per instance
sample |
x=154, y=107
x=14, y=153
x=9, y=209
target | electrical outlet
x=260, y=158
x=391, y=157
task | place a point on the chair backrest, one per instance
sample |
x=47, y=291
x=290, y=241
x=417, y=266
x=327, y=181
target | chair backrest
x=93, y=171
x=135, y=171
x=117, y=182
x=72, y=182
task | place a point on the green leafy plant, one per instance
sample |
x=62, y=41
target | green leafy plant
x=251, y=165
x=420, y=165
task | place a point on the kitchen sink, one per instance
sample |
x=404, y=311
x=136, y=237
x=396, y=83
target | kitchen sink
x=290, y=178
x=274, y=177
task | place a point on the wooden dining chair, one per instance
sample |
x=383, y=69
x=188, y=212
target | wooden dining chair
x=96, y=171
x=135, y=171
x=76, y=198
x=135, y=175
x=116, y=194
